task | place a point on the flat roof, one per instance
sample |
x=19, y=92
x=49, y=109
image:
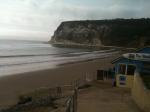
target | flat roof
x=121, y=57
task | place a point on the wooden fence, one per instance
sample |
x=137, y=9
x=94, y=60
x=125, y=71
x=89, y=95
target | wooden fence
x=44, y=96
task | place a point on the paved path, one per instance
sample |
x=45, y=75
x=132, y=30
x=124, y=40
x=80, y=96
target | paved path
x=102, y=97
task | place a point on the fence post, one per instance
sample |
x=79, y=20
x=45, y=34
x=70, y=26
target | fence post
x=75, y=102
x=59, y=91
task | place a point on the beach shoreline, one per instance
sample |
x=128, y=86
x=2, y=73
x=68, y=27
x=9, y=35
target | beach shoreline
x=14, y=85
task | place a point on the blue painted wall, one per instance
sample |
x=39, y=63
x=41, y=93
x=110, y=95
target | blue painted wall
x=138, y=64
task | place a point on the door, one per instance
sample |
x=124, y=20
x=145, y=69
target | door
x=100, y=75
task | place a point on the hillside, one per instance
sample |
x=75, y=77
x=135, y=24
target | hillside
x=117, y=32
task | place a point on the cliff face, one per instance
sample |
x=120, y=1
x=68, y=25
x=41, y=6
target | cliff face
x=119, y=32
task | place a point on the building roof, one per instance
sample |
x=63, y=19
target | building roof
x=141, y=50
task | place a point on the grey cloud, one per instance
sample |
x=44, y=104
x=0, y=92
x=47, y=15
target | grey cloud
x=46, y=15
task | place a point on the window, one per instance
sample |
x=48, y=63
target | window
x=122, y=69
x=131, y=69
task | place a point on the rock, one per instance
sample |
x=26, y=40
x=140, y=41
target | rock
x=117, y=32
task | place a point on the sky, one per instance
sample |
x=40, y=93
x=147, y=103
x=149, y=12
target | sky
x=38, y=19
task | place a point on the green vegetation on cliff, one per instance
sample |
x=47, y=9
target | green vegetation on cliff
x=117, y=32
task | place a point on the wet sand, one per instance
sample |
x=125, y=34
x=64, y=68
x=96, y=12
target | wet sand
x=13, y=86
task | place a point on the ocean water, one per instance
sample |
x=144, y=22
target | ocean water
x=19, y=56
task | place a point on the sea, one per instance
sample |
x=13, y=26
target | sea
x=20, y=56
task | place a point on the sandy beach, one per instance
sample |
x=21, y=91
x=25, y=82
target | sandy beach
x=14, y=85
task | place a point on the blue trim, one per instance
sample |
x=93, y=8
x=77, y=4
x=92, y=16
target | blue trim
x=144, y=50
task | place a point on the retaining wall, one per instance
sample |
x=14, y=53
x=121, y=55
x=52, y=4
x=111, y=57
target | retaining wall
x=140, y=93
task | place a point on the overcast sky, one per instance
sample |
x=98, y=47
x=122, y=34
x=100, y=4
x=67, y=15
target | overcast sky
x=38, y=19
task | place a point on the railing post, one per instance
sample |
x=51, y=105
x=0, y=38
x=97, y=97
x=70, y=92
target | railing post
x=75, y=102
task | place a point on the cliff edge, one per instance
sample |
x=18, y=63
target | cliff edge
x=117, y=32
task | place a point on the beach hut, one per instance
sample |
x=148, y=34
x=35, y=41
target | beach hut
x=126, y=65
